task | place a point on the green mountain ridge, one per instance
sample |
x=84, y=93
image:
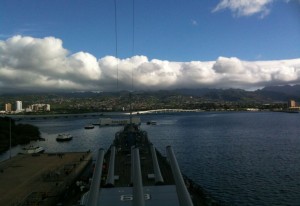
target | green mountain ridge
x=177, y=98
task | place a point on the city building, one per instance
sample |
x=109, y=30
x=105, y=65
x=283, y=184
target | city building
x=292, y=104
x=8, y=107
x=39, y=108
x=18, y=106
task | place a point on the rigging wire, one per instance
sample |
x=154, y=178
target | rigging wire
x=133, y=40
x=116, y=38
x=130, y=93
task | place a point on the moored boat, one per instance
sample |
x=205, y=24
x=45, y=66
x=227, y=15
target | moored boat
x=32, y=149
x=89, y=126
x=151, y=123
x=64, y=137
x=133, y=172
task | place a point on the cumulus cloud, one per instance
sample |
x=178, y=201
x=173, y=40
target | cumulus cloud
x=245, y=7
x=33, y=64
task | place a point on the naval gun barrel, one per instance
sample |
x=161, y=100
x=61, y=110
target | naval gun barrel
x=158, y=177
x=131, y=172
x=96, y=180
x=110, y=181
x=182, y=192
x=138, y=193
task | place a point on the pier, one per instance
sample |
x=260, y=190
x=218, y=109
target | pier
x=40, y=179
x=155, y=111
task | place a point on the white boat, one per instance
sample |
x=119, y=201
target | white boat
x=64, y=137
x=32, y=149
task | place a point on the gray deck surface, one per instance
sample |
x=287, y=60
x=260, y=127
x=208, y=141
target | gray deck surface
x=154, y=196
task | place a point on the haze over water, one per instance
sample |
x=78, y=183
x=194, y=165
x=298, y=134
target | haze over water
x=240, y=158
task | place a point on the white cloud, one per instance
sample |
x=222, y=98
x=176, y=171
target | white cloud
x=194, y=22
x=245, y=7
x=34, y=64
x=84, y=65
x=228, y=65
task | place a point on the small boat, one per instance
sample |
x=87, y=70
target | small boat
x=64, y=137
x=151, y=123
x=32, y=150
x=90, y=126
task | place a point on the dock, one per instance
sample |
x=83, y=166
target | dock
x=40, y=179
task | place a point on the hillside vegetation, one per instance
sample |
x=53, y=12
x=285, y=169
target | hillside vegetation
x=20, y=133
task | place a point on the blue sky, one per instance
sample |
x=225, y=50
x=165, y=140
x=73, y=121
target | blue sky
x=212, y=32
x=170, y=29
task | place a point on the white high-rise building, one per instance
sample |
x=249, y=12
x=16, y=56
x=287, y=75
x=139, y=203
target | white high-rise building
x=47, y=107
x=18, y=106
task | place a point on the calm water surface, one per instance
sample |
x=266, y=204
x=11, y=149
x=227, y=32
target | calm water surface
x=240, y=158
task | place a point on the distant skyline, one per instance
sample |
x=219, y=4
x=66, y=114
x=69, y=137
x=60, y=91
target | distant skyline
x=70, y=45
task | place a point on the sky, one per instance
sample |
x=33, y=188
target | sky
x=76, y=45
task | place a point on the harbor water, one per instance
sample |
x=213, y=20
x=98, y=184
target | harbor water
x=239, y=158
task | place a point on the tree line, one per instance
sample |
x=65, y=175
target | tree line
x=20, y=133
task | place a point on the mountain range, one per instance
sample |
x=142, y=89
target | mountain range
x=269, y=94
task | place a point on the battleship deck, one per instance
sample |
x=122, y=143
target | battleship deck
x=133, y=172
x=39, y=178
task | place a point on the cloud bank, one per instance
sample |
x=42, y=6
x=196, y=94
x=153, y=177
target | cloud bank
x=245, y=7
x=33, y=64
